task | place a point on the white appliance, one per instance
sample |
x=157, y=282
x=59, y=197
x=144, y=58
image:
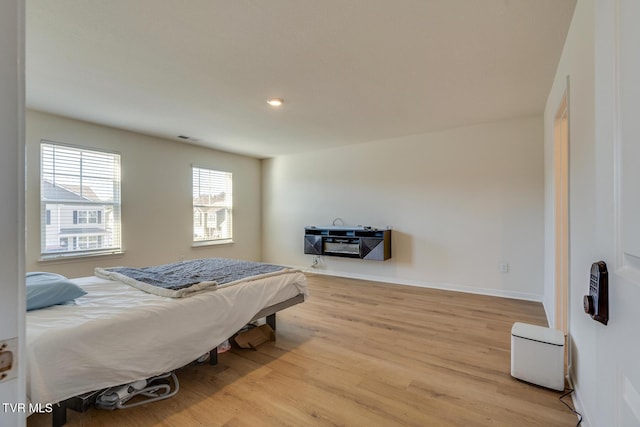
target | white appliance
x=537, y=355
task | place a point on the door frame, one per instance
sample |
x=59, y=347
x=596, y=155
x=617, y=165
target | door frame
x=561, y=212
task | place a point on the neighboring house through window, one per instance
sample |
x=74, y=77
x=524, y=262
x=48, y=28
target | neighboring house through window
x=80, y=201
x=212, y=206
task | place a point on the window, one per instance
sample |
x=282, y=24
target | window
x=212, y=206
x=89, y=242
x=87, y=217
x=80, y=201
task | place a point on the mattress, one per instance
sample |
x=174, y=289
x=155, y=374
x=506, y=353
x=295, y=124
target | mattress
x=117, y=334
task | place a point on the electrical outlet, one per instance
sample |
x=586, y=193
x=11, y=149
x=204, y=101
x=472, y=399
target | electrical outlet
x=504, y=268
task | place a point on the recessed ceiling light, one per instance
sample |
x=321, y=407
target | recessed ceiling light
x=275, y=102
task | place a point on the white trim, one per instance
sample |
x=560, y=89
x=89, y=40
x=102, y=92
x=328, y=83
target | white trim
x=629, y=397
x=79, y=147
x=22, y=290
x=626, y=265
x=630, y=272
x=204, y=243
x=545, y=303
x=578, y=404
x=617, y=143
x=77, y=254
x=12, y=192
x=562, y=212
x=431, y=285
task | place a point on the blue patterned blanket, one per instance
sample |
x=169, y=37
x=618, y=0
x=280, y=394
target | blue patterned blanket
x=187, y=277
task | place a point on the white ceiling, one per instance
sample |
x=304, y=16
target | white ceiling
x=350, y=71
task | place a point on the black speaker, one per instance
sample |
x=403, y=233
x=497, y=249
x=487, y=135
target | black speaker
x=313, y=245
x=372, y=248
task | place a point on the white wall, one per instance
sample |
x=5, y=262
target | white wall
x=459, y=202
x=605, y=360
x=156, y=196
x=12, y=312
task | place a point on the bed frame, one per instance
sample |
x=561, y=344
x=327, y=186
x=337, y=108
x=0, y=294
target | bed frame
x=83, y=402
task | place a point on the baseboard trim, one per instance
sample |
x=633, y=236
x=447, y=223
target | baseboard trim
x=577, y=401
x=433, y=285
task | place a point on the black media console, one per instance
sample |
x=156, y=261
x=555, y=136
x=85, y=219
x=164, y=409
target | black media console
x=351, y=242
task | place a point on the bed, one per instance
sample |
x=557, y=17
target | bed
x=116, y=333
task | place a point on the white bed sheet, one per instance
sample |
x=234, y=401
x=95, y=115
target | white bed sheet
x=117, y=334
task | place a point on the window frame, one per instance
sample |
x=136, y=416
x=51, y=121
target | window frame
x=107, y=213
x=200, y=219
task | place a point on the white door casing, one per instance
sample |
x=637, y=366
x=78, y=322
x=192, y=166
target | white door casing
x=12, y=292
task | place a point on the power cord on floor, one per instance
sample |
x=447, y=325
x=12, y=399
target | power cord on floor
x=567, y=393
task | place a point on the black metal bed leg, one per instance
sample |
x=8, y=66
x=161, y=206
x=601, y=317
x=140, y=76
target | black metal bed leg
x=271, y=321
x=213, y=356
x=59, y=415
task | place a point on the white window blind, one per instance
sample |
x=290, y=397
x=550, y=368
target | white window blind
x=212, y=205
x=79, y=201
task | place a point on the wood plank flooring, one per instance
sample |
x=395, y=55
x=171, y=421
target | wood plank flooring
x=361, y=353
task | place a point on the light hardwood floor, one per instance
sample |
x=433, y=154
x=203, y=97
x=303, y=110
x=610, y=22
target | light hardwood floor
x=361, y=353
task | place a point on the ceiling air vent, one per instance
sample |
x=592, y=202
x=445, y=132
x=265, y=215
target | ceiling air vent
x=188, y=138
